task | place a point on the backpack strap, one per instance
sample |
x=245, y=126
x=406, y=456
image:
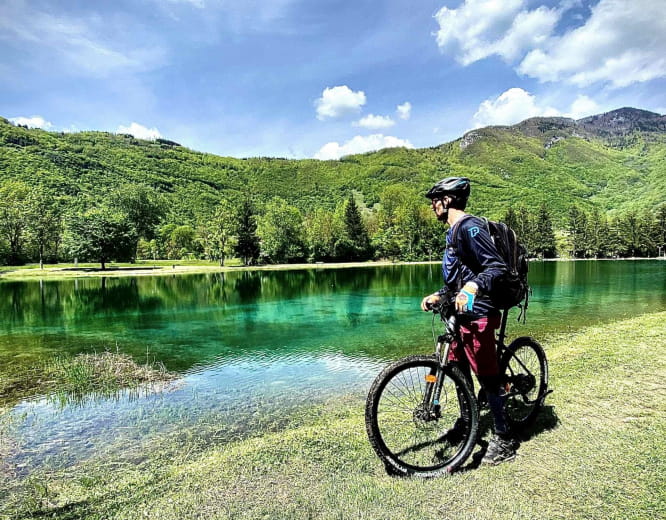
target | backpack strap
x=454, y=234
x=454, y=245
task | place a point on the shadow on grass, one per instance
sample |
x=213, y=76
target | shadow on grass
x=72, y=510
x=546, y=420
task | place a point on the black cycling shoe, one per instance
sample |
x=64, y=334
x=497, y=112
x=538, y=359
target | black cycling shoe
x=500, y=450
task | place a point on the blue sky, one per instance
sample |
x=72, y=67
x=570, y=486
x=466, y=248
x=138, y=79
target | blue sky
x=323, y=78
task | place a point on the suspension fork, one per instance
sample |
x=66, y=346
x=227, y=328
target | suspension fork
x=434, y=382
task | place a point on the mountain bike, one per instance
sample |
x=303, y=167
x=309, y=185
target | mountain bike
x=415, y=402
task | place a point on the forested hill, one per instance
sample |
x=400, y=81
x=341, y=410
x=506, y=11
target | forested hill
x=612, y=162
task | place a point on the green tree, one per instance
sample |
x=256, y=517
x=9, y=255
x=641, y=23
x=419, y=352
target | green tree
x=147, y=249
x=597, y=235
x=46, y=223
x=355, y=243
x=405, y=227
x=102, y=235
x=217, y=232
x=614, y=242
x=544, y=237
x=632, y=234
x=660, y=229
x=577, y=227
x=646, y=234
x=142, y=205
x=247, y=243
x=182, y=242
x=525, y=228
x=511, y=219
x=16, y=213
x=323, y=229
x=280, y=232
x=164, y=241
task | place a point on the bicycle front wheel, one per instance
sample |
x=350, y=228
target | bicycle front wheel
x=525, y=370
x=411, y=431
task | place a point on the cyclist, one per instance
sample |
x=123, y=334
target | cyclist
x=469, y=267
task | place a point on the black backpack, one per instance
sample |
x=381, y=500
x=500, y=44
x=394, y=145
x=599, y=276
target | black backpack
x=511, y=289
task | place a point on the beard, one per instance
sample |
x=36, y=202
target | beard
x=443, y=216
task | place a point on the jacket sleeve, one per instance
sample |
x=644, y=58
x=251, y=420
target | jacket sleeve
x=480, y=254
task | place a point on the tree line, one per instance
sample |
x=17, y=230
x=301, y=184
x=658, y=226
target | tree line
x=134, y=222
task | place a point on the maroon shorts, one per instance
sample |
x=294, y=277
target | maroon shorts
x=478, y=346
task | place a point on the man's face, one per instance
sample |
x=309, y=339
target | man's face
x=441, y=208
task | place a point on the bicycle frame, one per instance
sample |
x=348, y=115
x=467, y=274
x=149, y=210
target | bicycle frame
x=442, y=349
x=451, y=333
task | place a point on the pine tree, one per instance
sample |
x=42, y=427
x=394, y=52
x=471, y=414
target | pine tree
x=511, y=219
x=247, y=245
x=577, y=232
x=632, y=229
x=544, y=237
x=355, y=233
x=525, y=228
x=660, y=227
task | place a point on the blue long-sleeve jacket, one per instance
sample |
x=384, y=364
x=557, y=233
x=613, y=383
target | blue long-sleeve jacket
x=474, y=258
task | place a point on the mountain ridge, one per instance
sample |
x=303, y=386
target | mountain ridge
x=612, y=162
x=616, y=123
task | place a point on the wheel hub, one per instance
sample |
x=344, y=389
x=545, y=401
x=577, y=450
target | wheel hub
x=422, y=416
x=524, y=383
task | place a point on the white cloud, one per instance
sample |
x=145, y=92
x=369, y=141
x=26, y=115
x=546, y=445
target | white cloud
x=583, y=106
x=375, y=122
x=404, y=111
x=480, y=28
x=509, y=108
x=622, y=43
x=339, y=101
x=360, y=144
x=32, y=122
x=139, y=131
x=516, y=105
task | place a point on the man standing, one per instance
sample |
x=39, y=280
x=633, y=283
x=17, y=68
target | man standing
x=470, y=265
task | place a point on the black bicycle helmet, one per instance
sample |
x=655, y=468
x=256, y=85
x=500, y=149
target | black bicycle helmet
x=456, y=186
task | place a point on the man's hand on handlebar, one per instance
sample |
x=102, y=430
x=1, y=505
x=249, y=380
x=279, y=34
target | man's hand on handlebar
x=465, y=298
x=430, y=301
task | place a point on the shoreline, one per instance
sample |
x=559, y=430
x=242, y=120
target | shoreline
x=153, y=269
x=36, y=273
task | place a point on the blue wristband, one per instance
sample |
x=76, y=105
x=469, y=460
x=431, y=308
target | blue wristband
x=470, y=300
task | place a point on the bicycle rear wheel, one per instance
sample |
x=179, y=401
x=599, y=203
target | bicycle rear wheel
x=412, y=434
x=525, y=370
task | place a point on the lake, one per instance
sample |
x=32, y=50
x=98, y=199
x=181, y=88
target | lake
x=253, y=348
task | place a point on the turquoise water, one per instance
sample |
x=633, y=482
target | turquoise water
x=252, y=346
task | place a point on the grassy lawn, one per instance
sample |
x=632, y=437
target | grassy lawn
x=64, y=270
x=596, y=452
x=163, y=267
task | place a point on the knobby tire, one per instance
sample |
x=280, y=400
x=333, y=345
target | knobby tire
x=407, y=443
x=525, y=371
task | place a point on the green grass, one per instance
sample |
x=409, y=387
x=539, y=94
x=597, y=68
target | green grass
x=596, y=452
x=231, y=262
x=74, y=380
x=166, y=267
